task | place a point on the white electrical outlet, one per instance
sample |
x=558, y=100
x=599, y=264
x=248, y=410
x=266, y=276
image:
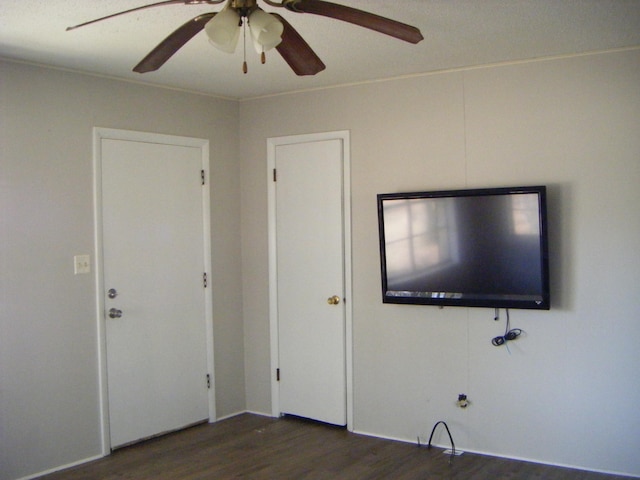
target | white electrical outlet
x=448, y=451
x=81, y=264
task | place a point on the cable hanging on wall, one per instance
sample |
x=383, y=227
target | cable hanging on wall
x=509, y=333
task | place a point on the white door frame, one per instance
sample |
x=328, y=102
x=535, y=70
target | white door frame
x=99, y=134
x=272, y=143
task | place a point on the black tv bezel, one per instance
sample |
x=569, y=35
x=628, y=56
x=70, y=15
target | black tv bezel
x=544, y=304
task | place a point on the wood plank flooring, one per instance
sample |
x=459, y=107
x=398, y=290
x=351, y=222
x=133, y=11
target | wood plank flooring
x=254, y=447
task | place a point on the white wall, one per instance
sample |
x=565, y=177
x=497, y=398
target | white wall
x=567, y=391
x=49, y=409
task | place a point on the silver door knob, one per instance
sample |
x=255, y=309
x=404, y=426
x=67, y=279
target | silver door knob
x=115, y=313
x=112, y=293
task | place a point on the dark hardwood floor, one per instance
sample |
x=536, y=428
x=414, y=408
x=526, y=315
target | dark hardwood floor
x=255, y=447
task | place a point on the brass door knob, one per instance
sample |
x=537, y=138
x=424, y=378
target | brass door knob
x=335, y=300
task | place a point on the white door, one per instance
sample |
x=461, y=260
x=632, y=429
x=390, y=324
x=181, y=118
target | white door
x=154, y=295
x=311, y=280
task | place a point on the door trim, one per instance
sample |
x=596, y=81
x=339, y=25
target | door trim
x=100, y=133
x=272, y=143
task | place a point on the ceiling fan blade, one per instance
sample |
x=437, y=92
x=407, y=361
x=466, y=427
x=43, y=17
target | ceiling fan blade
x=297, y=52
x=357, y=17
x=157, y=4
x=170, y=45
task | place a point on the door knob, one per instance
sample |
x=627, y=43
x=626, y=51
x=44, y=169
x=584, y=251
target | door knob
x=335, y=300
x=115, y=313
x=112, y=293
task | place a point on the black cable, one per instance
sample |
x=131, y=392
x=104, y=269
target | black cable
x=509, y=333
x=453, y=447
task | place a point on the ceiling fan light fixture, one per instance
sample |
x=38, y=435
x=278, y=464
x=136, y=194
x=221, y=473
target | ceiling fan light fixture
x=266, y=30
x=223, y=30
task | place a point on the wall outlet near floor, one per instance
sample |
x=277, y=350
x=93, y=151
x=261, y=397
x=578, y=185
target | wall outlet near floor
x=81, y=264
x=448, y=451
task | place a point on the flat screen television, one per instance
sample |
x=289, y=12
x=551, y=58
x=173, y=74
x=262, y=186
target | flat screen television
x=473, y=248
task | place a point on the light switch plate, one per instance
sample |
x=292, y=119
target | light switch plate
x=81, y=264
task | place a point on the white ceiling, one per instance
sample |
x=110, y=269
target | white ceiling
x=457, y=33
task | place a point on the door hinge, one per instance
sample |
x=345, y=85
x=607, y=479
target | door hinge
x=202, y=176
x=275, y=175
x=277, y=374
x=208, y=381
x=204, y=279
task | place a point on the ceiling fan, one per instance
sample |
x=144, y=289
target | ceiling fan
x=268, y=30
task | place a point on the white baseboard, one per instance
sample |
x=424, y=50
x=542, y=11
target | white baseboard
x=231, y=415
x=262, y=414
x=61, y=467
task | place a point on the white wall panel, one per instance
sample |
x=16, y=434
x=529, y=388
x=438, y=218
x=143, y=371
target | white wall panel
x=566, y=392
x=49, y=404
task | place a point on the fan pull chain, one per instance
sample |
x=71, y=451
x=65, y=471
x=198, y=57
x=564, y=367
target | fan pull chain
x=245, y=69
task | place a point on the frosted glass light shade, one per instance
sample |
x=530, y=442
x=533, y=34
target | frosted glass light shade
x=223, y=30
x=266, y=30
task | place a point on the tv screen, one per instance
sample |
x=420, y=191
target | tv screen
x=474, y=248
